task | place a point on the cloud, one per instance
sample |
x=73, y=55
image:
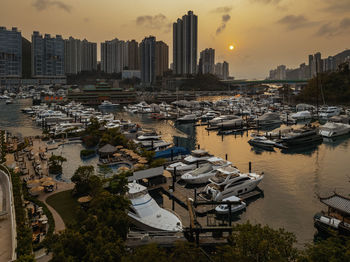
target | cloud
x=41, y=5
x=225, y=18
x=333, y=29
x=336, y=6
x=293, y=22
x=159, y=22
x=222, y=9
x=273, y=2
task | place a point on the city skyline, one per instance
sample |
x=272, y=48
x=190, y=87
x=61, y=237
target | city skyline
x=255, y=27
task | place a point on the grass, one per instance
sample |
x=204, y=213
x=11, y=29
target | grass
x=65, y=205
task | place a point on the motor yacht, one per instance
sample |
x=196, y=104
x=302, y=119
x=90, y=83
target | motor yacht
x=236, y=206
x=331, y=129
x=228, y=181
x=107, y=104
x=149, y=136
x=268, y=119
x=263, y=142
x=302, y=115
x=146, y=214
x=220, y=119
x=303, y=136
x=202, y=174
x=195, y=159
x=329, y=112
x=187, y=118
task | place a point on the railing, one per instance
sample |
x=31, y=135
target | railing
x=13, y=215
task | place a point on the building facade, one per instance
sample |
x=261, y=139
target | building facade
x=47, y=56
x=114, y=56
x=185, y=42
x=133, y=55
x=207, y=61
x=162, y=58
x=10, y=53
x=148, y=60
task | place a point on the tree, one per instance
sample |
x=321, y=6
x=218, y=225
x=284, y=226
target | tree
x=188, y=252
x=250, y=243
x=335, y=249
x=148, y=253
x=81, y=179
x=55, y=164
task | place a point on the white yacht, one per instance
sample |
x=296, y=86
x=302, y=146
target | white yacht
x=268, y=119
x=201, y=174
x=329, y=112
x=149, y=136
x=228, y=181
x=301, y=115
x=187, y=118
x=331, y=129
x=236, y=206
x=107, y=104
x=147, y=215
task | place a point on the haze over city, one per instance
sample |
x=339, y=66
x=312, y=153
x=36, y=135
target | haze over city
x=265, y=33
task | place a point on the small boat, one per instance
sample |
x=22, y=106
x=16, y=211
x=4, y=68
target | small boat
x=149, y=136
x=187, y=119
x=302, y=115
x=107, y=104
x=263, y=142
x=303, y=136
x=236, y=206
x=9, y=101
x=146, y=214
x=269, y=119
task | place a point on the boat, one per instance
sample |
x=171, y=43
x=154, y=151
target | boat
x=146, y=214
x=231, y=124
x=302, y=115
x=202, y=174
x=331, y=129
x=220, y=119
x=337, y=218
x=268, y=119
x=263, y=142
x=107, y=104
x=303, y=136
x=228, y=181
x=9, y=101
x=329, y=112
x=236, y=206
x=149, y=136
x=171, y=153
x=187, y=119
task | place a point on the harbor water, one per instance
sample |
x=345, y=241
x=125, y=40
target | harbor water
x=292, y=180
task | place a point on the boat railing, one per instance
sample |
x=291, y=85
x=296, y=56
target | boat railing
x=137, y=235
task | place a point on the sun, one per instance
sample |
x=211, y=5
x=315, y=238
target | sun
x=231, y=47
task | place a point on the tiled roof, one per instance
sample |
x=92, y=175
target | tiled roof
x=338, y=202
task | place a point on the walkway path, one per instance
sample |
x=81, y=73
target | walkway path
x=62, y=186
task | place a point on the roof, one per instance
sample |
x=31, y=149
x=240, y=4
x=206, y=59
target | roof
x=337, y=202
x=108, y=148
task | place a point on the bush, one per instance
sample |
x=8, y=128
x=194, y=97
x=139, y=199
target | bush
x=87, y=152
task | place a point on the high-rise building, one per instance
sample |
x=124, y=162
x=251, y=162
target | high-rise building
x=114, y=56
x=225, y=70
x=218, y=70
x=185, y=34
x=148, y=59
x=162, y=58
x=207, y=61
x=10, y=53
x=133, y=55
x=88, y=56
x=47, y=56
x=72, y=56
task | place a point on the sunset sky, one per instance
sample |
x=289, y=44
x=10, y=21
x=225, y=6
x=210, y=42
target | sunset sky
x=265, y=33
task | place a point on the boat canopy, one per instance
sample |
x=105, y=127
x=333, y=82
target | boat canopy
x=337, y=202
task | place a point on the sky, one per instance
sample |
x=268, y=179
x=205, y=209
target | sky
x=265, y=33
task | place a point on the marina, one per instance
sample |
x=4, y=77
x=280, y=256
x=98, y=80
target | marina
x=285, y=188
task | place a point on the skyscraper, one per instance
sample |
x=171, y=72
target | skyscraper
x=148, y=59
x=10, y=53
x=114, y=56
x=225, y=70
x=72, y=56
x=162, y=58
x=88, y=56
x=133, y=55
x=185, y=34
x=207, y=61
x=47, y=55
